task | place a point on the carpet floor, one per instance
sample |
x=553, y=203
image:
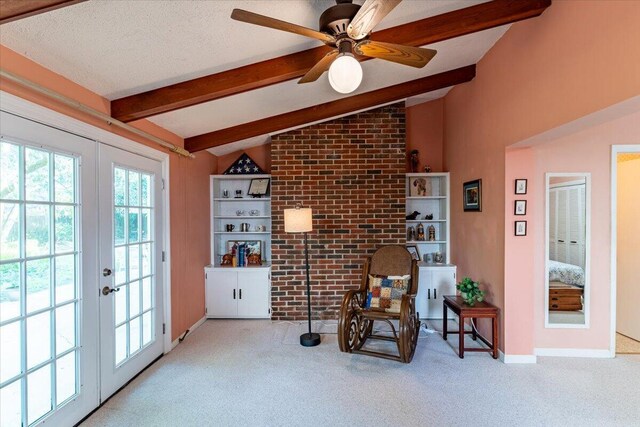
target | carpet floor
x=255, y=373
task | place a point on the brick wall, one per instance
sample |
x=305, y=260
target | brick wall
x=350, y=171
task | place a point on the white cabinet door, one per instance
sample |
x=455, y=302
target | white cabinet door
x=253, y=293
x=222, y=294
x=443, y=282
x=433, y=284
x=424, y=280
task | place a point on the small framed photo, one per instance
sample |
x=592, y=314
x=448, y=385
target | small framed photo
x=418, y=187
x=521, y=228
x=472, y=196
x=520, y=207
x=259, y=187
x=413, y=250
x=252, y=246
x=521, y=186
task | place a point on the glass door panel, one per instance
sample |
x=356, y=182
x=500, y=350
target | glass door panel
x=131, y=302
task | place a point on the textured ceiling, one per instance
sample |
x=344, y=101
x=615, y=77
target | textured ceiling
x=118, y=48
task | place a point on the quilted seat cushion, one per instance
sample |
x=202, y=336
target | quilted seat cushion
x=385, y=292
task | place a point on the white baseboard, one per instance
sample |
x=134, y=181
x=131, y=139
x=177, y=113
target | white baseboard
x=191, y=329
x=517, y=358
x=574, y=352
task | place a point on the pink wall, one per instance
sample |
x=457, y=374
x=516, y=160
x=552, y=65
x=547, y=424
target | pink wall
x=584, y=151
x=575, y=59
x=518, y=254
x=188, y=183
x=425, y=133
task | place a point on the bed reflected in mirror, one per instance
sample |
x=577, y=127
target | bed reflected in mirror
x=567, y=249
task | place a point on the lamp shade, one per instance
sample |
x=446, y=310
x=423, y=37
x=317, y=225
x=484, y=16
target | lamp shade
x=298, y=220
x=345, y=73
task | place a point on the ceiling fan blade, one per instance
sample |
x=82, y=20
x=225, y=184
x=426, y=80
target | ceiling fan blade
x=265, y=21
x=321, y=66
x=407, y=55
x=369, y=15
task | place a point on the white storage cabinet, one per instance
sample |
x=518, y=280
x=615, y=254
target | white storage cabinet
x=241, y=292
x=434, y=282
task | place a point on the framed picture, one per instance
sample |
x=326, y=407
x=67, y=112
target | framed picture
x=521, y=228
x=472, y=196
x=418, y=187
x=521, y=186
x=413, y=250
x=253, y=246
x=520, y=207
x=259, y=187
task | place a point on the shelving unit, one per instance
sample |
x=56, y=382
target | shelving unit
x=435, y=280
x=224, y=211
x=435, y=201
x=238, y=292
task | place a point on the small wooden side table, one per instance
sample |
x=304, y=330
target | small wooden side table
x=479, y=310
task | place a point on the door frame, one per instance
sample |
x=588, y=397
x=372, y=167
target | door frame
x=615, y=150
x=98, y=132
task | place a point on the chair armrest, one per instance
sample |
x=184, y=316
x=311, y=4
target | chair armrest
x=348, y=299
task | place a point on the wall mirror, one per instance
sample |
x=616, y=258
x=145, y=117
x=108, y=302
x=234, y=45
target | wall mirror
x=567, y=235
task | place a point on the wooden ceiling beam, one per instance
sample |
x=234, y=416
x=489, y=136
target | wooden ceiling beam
x=254, y=76
x=331, y=109
x=12, y=10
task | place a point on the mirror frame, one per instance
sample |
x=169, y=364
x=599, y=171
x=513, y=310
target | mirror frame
x=587, y=250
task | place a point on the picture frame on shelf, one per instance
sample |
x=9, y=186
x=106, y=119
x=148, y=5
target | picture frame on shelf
x=259, y=187
x=414, y=251
x=253, y=246
x=521, y=186
x=472, y=196
x=418, y=187
x=520, y=228
x=520, y=207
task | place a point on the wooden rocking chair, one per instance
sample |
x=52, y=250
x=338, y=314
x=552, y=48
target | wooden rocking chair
x=355, y=325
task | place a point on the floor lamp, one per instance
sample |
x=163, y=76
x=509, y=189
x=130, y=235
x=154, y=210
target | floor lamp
x=298, y=220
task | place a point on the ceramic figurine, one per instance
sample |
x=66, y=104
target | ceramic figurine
x=411, y=234
x=413, y=215
x=413, y=159
x=432, y=233
x=420, y=232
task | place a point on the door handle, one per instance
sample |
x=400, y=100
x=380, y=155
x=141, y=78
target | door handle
x=428, y=293
x=106, y=272
x=435, y=296
x=107, y=290
x=240, y=294
x=234, y=294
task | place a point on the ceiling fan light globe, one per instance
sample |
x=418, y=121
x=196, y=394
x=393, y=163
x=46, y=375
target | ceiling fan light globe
x=345, y=73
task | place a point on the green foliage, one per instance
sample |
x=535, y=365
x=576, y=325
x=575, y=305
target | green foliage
x=470, y=291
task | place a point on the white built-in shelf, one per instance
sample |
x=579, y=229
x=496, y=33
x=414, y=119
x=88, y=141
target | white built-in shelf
x=429, y=197
x=243, y=217
x=426, y=197
x=242, y=232
x=242, y=199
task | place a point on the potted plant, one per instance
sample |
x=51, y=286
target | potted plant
x=470, y=291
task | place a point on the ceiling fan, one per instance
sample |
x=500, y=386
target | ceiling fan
x=346, y=27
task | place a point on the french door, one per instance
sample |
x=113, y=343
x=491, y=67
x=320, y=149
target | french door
x=131, y=306
x=81, y=309
x=48, y=261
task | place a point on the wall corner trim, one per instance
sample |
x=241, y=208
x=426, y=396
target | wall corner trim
x=195, y=326
x=518, y=358
x=575, y=352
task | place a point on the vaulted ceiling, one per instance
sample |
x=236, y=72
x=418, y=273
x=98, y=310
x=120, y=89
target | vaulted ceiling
x=186, y=66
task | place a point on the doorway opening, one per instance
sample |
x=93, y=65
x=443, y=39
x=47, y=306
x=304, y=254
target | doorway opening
x=625, y=249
